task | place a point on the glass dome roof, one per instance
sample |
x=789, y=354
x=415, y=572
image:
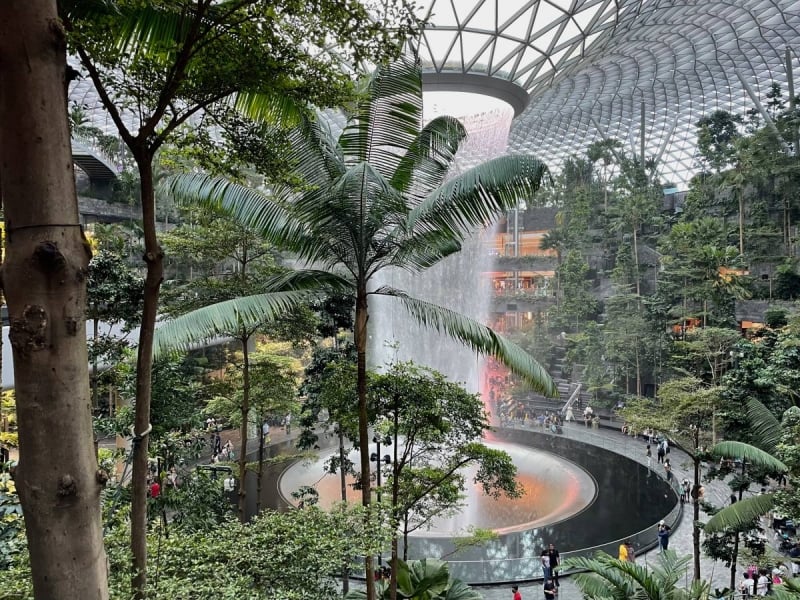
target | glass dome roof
x=589, y=66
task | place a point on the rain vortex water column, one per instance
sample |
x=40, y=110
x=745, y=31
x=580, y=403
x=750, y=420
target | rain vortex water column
x=460, y=281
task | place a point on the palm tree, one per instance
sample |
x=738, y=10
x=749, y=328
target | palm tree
x=426, y=579
x=603, y=577
x=372, y=199
x=747, y=511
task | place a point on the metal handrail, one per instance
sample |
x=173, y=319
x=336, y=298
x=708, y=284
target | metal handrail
x=576, y=393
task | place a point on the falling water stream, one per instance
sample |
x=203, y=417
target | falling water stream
x=458, y=282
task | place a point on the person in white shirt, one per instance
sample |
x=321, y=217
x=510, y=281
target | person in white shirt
x=747, y=585
x=762, y=586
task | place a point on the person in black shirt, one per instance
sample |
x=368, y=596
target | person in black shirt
x=552, y=553
x=550, y=589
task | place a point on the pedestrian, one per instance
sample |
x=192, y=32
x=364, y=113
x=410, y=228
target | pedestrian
x=660, y=453
x=287, y=423
x=684, y=491
x=747, y=585
x=550, y=590
x=554, y=556
x=649, y=454
x=794, y=554
x=663, y=536
x=623, y=551
x=631, y=551
x=570, y=415
x=762, y=585
x=668, y=470
x=265, y=432
x=515, y=591
x=546, y=570
x=172, y=478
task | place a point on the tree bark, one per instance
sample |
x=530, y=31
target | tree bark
x=343, y=484
x=44, y=278
x=154, y=258
x=363, y=418
x=696, y=509
x=243, y=429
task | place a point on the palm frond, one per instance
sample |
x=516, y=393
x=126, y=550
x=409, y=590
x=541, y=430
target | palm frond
x=268, y=215
x=388, y=119
x=609, y=577
x=477, y=336
x=766, y=427
x=458, y=590
x=741, y=513
x=74, y=10
x=478, y=196
x=309, y=280
x=224, y=319
x=317, y=158
x=271, y=107
x=748, y=453
x=425, y=165
x=422, y=251
x=151, y=28
x=595, y=586
x=602, y=578
x=789, y=590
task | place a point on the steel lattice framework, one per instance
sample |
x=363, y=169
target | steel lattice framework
x=577, y=71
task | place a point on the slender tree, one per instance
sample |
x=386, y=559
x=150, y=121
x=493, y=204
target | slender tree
x=44, y=280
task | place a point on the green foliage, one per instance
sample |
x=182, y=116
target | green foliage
x=603, y=577
x=272, y=392
x=12, y=525
x=278, y=556
x=329, y=387
x=425, y=579
x=173, y=58
x=775, y=318
x=197, y=504
x=578, y=303
x=175, y=405
x=435, y=427
x=716, y=135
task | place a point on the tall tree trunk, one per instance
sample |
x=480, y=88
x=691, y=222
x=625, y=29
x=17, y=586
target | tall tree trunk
x=735, y=554
x=343, y=483
x=261, y=451
x=696, y=512
x=243, y=428
x=741, y=222
x=636, y=264
x=95, y=333
x=154, y=258
x=44, y=279
x=362, y=316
